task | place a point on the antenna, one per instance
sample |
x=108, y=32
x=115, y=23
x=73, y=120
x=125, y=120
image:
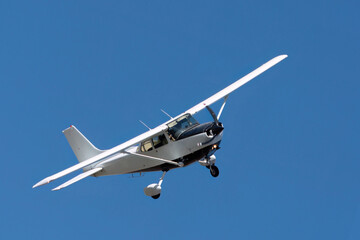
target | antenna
x=167, y=114
x=144, y=124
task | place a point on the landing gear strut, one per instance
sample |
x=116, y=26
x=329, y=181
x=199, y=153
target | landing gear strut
x=209, y=163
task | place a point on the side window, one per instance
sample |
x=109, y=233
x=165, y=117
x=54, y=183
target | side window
x=146, y=146
x=155, y=142
x=159, y=141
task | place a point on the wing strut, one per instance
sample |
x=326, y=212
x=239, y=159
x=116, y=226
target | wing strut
x=78, y=178
x=155, y=158
x=222, y=107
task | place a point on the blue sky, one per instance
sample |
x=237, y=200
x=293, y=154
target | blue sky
x=289, y=162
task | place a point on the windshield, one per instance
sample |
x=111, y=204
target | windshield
x=180, y=125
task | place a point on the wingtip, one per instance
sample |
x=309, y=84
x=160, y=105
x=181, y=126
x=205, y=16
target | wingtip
x=42, y=182
x=282, y=56
x=277, y=59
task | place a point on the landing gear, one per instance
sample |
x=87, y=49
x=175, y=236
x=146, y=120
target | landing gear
x=214, y=171
x=156, y=196
x=209, y=163
x=154, y=189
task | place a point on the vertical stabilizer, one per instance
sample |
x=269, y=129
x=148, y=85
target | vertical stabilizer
x=81, y=146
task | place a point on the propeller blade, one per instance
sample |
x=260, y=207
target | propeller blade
x=213, y=115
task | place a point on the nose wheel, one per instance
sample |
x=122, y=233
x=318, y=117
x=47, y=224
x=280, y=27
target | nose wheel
x=214, y=171
x=209, y=163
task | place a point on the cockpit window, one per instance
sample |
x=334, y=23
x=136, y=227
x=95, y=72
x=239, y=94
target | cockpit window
x=180, y=125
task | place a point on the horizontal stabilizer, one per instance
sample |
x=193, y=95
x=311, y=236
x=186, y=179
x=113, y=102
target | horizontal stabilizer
x=78, y=178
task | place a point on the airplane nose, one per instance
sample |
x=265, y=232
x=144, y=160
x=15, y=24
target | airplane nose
x=216, y=128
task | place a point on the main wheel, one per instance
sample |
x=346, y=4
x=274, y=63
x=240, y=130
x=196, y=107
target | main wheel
x=214, y=171
x=156, y=196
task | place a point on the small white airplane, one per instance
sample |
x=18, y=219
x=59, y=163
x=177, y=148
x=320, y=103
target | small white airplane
x=176, y=143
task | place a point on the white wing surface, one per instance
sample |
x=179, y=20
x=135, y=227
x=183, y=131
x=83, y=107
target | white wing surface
x=226, y=91
x=78, y=178
x=103, y=155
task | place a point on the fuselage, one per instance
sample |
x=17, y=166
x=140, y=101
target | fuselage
x=191, y=144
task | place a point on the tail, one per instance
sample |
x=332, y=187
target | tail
x=81, y=146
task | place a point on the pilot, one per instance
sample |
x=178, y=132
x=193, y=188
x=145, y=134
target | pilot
x=171, y=137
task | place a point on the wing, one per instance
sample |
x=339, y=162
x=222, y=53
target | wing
x=226, y=91
x=104, y=155
x=78, y=178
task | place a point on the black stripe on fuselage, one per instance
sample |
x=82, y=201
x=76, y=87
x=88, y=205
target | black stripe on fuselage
x=187, y=160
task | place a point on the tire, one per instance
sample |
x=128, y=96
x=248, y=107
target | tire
x=214, y=171
x=156, y=196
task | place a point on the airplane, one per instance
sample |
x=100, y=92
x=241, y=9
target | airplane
x=176, y=143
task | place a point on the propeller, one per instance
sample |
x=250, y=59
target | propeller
x=216, y=120
x=214, y=129
x=218, y=127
